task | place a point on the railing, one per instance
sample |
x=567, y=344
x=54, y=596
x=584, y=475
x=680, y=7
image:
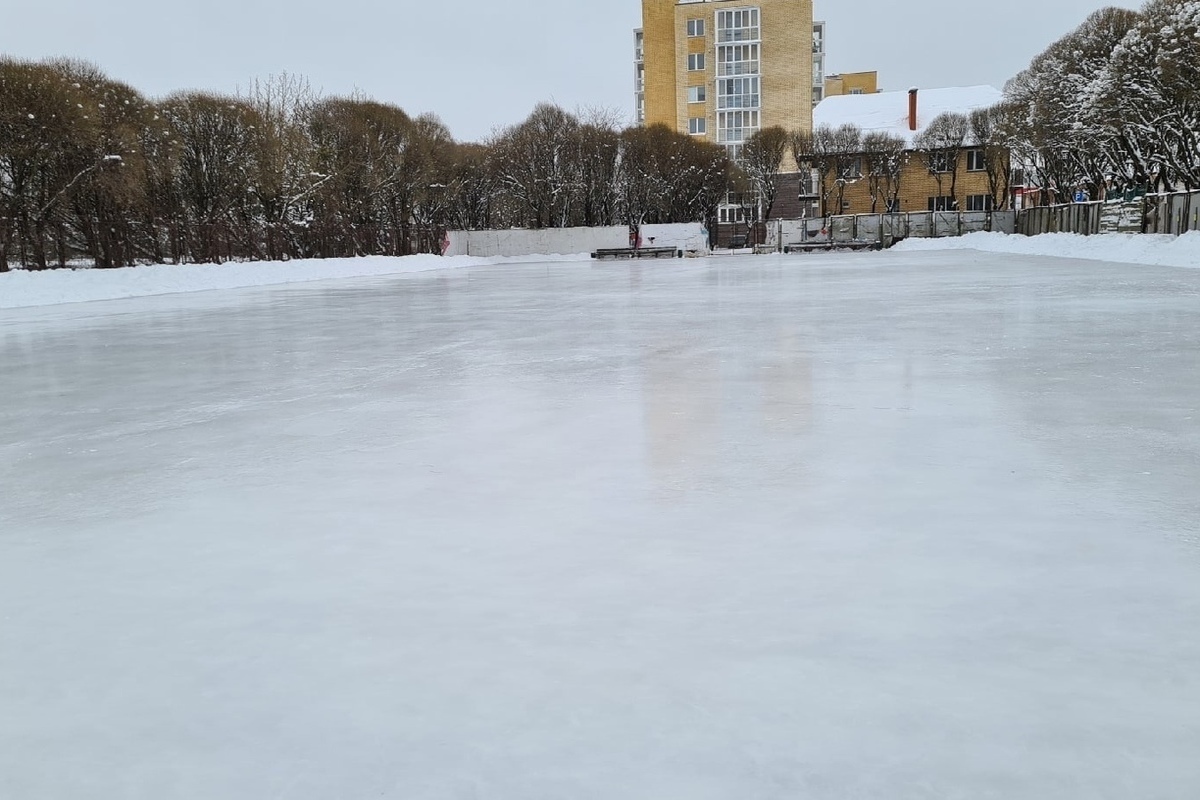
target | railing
x=726, y=69
x=738, y=35
x=736, y=102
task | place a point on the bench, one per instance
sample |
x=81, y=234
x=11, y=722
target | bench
x=637, y=252
x=809, y=247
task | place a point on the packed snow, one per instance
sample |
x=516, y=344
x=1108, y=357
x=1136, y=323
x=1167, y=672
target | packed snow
x=889, y=525
x=20, y=289
x=1123, y=248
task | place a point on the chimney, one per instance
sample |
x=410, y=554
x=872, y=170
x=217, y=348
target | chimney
x=912, y=109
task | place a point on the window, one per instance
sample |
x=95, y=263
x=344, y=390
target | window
x=808, y=182
x=975, y=161
x=856, y=91
x=738, y=26
x=695, y=27
x=697, y=94
x=738, y=59
x=734, y=127
x=851, y=168
x=737, y=93
x=817, y=94
x=732, y=214
x=979, y=202
x=943, y=203
x=695, y=62
x=940, y=162
x=697, y=126
x=1018, y=177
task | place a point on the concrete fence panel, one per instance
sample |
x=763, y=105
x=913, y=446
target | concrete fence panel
x=870, y=227
x=842, y=229
x=1004, y=221
x=547, y=241
x=690, y=237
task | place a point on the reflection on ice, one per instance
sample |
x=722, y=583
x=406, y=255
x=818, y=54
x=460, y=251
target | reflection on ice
x=885, y=525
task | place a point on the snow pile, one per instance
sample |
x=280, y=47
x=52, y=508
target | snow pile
x=1125, y=248
x=21, y=289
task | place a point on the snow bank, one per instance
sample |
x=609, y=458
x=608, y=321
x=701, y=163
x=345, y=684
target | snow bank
x=22, y=289
x=1125, y=248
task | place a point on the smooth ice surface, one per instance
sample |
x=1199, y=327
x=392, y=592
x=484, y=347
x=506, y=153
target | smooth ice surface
x=902, y=526
x=1126, y=248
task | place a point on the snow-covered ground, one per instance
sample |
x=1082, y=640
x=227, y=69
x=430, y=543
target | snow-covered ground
x=22, y=289
x=893, y=525
x=1125, y=248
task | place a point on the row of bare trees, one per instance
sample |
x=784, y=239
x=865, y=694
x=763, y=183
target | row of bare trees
x=831, y=159
x=1115, y=104
x=93, y=172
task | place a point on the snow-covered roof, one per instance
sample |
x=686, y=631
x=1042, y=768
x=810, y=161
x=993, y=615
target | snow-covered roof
x=887, y=112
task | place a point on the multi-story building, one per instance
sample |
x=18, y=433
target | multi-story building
x=722, y=69
x=851, y=83
x=818, y=48
x=639, y=75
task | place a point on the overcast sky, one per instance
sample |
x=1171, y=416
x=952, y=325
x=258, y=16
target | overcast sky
x=480, y=64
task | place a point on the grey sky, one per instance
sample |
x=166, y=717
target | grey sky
x=480, y=64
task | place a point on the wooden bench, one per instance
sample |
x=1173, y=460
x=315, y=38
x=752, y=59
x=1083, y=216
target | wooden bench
x=637, y=252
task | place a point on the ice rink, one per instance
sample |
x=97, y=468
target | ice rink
x=883, y=527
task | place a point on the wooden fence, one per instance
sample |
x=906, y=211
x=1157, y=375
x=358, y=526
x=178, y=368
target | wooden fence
x=1174, y=214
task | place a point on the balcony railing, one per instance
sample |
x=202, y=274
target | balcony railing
x=750, y=101
x=738, y=35
x=727, y=69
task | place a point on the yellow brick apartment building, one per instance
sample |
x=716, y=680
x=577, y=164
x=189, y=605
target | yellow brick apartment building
x=723, y=69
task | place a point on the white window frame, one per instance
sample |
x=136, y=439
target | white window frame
x=697, y=94
x=977, y=155
x=980, y=202
x=698, y=126
x=695, y=28
x=696, y=62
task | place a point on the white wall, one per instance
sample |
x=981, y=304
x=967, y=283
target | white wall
x=688, y=237
x=548, y=241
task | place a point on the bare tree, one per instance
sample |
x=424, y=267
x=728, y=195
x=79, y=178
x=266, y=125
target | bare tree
x=536, y=162
x=220, y=143
x=940, y=146
x=287, y=171
x=989, y=134
x=885, y=156
x=761, y=160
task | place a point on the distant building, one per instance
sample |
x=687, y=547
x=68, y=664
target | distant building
x=906, y=115
x=851, y=83
x=818, y=93
x=720, y=70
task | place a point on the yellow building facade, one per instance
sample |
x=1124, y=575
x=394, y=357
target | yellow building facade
x=722, y=69
x=851, y=83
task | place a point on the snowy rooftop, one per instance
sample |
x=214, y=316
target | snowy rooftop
x=888, y=111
